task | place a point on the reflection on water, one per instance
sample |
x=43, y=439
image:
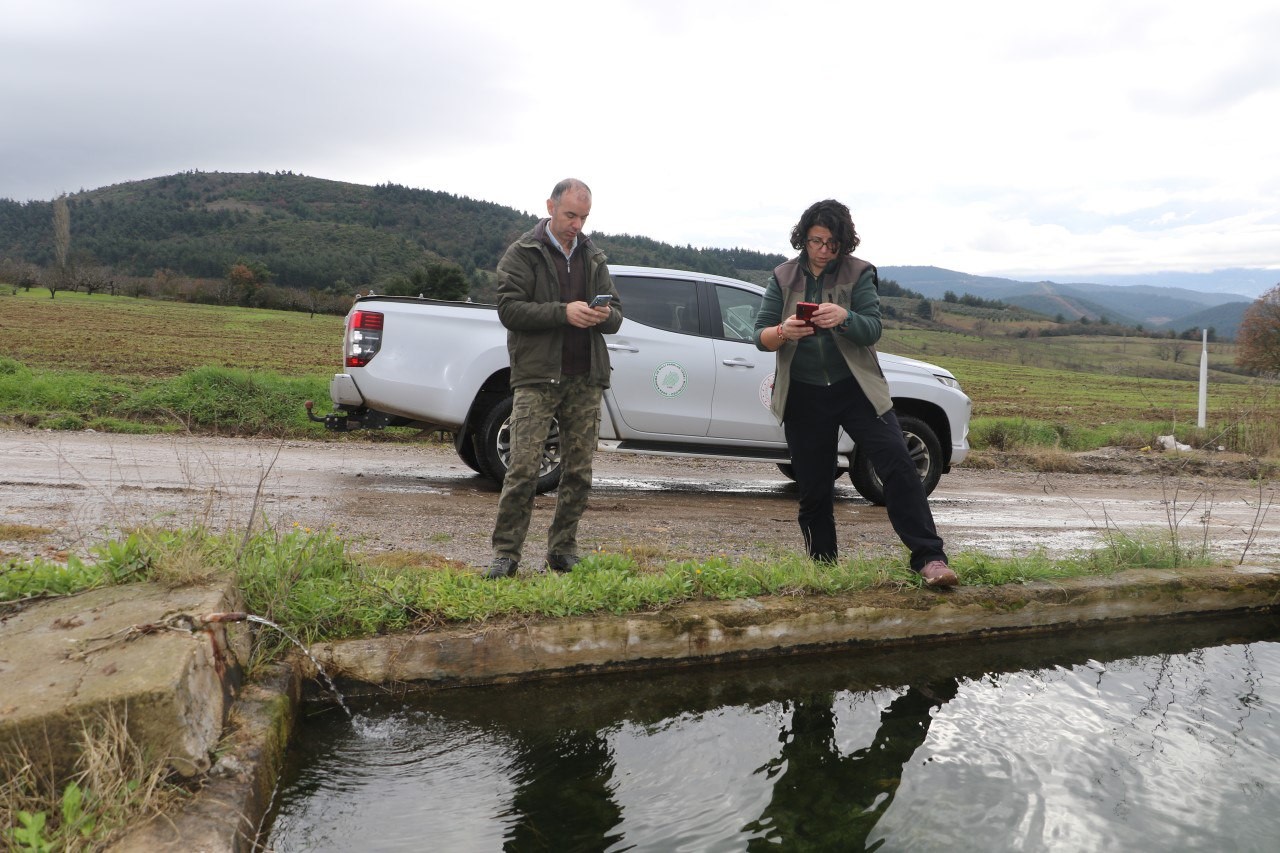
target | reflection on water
x=1120, y=739
x=829, y=798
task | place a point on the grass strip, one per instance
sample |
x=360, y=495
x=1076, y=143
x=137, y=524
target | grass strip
x=314, y=587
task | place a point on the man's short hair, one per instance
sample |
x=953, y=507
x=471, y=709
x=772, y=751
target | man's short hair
x=569, y=184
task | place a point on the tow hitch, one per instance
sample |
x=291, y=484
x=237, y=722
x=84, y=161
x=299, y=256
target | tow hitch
x=346, y=420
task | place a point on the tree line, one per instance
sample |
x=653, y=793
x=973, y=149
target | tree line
x=280, y=240
x=313, y=234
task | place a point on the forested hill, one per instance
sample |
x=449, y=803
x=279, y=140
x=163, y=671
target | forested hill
x=309, y=233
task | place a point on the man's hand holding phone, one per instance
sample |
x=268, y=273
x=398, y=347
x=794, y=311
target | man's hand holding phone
x=584, y=314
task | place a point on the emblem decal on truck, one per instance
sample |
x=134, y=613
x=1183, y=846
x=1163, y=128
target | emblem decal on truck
x=670, y=379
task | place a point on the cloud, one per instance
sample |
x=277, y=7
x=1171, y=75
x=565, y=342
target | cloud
x=984, y=137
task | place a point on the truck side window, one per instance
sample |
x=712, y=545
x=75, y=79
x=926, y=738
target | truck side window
x=662, y=303
x=738, y=309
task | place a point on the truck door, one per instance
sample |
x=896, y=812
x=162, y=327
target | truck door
x=662, y=369
x=744, y=374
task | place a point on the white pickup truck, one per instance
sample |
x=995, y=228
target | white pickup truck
x=687, y=381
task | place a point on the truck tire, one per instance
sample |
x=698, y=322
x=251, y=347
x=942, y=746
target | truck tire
x=493, y=448
x=925, y=450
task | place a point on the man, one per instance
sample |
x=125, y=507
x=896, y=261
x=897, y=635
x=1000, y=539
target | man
x=559, y=368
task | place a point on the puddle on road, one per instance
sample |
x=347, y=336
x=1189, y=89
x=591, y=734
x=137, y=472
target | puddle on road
x=409, y=489
x=1005, y=543
x=633, y=484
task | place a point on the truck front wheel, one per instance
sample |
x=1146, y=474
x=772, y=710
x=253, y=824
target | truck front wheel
x=926, y=453
x=493, y=448
x=465, y=444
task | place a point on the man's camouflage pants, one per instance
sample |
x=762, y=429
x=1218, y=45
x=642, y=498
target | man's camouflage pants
x=575, y=403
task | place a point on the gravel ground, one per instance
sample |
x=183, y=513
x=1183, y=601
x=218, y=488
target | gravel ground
x=62, y=492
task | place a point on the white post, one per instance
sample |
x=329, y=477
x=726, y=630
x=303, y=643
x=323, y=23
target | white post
x=1204, y=377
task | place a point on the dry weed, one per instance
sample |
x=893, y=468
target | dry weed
x=22, y=532
x=115, y=785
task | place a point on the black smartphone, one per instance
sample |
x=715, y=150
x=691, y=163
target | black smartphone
x=600, y=300
x=804, y=311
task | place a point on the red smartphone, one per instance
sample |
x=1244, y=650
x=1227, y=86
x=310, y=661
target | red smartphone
x=804, y=311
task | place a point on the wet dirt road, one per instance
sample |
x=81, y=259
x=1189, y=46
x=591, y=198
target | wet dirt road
x=63, y=492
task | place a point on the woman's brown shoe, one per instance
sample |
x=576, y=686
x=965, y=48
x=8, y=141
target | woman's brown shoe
x=938, y=573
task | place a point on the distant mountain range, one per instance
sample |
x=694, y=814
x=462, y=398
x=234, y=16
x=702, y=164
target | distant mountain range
x=313, y=233
x=1134, y=301
x=1251, y=283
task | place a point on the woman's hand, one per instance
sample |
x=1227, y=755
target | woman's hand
x=793, y=328
x=829, y=315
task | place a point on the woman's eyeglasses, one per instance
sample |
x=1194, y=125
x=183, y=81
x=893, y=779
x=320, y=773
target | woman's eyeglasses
x=817, y=243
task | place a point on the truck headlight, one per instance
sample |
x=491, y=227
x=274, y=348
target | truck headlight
x=949, y=381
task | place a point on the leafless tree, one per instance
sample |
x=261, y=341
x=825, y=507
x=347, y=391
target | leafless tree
x=60, y=278
x=1170, y=350
x=9, y=273
x=92, y=279
x=28, y=276
x=165, y=284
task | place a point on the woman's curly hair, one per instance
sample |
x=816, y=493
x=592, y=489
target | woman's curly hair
x=831, y=215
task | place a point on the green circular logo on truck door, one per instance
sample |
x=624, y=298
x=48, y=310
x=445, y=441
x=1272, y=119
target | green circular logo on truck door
x=670, y=379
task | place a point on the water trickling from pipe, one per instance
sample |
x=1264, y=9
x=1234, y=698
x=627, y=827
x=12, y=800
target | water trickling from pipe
x=333, y=688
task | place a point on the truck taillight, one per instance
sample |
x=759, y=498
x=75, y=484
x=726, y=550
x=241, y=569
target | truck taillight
x=364, y=337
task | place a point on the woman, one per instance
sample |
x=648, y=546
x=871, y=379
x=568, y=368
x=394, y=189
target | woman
x=828, y=377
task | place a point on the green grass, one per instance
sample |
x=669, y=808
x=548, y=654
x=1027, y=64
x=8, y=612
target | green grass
x=221, y=400
x=314, y=587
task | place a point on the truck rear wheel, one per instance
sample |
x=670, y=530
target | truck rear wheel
x=926, y=453
x=493, y=448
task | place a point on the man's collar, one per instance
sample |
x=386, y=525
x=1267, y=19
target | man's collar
x=550, y=238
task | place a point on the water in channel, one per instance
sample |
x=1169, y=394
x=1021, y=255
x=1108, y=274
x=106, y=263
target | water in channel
x=1156, y=737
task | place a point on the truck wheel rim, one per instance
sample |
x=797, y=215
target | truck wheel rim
x=550, y=448
x=919, y=452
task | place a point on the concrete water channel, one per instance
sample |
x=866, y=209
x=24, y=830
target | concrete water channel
x=177, y=674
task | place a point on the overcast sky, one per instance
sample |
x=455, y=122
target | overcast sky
x=1006, y=138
